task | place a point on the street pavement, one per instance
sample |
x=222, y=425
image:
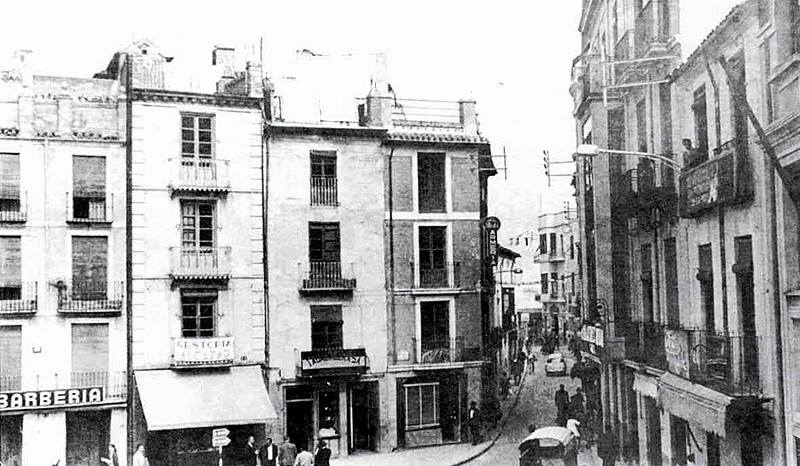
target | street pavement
x=535, y=405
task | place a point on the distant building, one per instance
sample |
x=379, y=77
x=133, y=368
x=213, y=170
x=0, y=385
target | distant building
x=505, y=319
x=63, y=382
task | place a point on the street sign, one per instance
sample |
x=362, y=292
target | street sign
x=219, y=438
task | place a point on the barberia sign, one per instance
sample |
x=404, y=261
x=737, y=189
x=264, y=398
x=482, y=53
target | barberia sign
x=49, y=399
x=192, y=352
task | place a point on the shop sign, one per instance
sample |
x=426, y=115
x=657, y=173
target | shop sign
x=334, y=361
x=713, y=183
x=49, y=399
x=676, y=347
x=492, y=224
x=193, y=352
x=592, y=335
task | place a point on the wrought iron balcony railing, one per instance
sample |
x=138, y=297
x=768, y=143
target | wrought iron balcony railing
x=14, y=210
x=324, y=191
x=113, y=383
x=644, y=343
x=86, y=297
x=436, y=351
x=725, y=363
x=19, y=299
x=327, y=276
x=446, y=275
x=87, y=209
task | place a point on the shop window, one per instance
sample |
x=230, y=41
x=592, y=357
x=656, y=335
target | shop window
x=87, y=436
x=328, y=413
x=431, y=182
x=197, y=313
x=10, y=358
x=422, y=406
x=326, y=327
x=10, y=438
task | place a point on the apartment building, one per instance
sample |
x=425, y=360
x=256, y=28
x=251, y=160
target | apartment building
x=703, y=373
x=505, y=319
x=63, y=393
x=528, y=292
x=560, y=277
x=196, y=259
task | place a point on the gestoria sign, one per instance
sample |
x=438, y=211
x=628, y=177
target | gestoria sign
x=49, y=399
x=204, y=351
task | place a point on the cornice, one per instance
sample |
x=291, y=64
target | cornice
x=177, y=97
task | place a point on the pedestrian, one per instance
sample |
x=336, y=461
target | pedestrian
x=576, y=406
x=607, y=447
x=250, y=456
x=531, y=362
x=562, y=403
x=268, y=453
x=323, y=456
x=474, y=422
x=516, y=370
x=572, y=425
x=504, y=386
x=139, y=458
x=304, y=457
x=113, y=459
x=287, y=452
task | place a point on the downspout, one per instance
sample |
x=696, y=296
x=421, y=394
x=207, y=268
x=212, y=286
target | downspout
x=131, y=421
x=265, y=120
x=656, y=226
x=720, y=208
x=392, y=319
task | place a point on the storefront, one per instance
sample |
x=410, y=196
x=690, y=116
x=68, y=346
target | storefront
x=431, y=408
x=182, y=407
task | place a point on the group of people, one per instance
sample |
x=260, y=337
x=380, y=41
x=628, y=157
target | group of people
x=569, y=407
x=286, y=454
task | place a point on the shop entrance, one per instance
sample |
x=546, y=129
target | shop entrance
x=87, y=437
x=451, y=404
x=364, y=416
x=11, y=440
x=300, y=416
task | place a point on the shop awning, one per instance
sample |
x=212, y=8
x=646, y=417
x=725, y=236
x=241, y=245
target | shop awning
x=181, y=399
x=695, y=403
x=645, y=385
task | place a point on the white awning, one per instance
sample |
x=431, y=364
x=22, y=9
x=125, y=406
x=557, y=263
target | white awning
x=182, y=399
x=694, y=403
x=645, y=385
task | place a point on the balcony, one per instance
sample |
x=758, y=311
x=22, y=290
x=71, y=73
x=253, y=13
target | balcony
x=199, y=176
x=115, y=383
x=326, y=277
x=68, y=389
x=644, y=343
x=724, y=180
x=641, y=189
x=447, y=276
x=14, y=210
x=725, y=363
x=19, y=300
x=587, y=78
x=548, y=257
x=85, y=210
x=197, y=264
x=202, y=352
x=90, y=298
x=652, y=29
x=554, y=296
x=324, y=191
x=445, y=351
x=339, y=362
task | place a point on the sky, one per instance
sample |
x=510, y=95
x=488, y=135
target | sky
x=513, y=57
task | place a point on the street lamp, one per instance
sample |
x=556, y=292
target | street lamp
x=591, y=150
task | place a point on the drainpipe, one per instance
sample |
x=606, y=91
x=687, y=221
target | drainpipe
x=392, y=319
x=131, y=421
x=266, y=113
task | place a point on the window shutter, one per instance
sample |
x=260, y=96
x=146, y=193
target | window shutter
x=9, y=176
x=10, y=261
x=326, y=314
x=89, y=176
x=90, y=260
x=11, y=351
x=89, y=348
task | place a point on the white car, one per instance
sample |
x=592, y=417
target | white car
x=555, y=365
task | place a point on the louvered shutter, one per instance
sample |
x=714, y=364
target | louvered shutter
x=89, y=351
x=90, y=262
x=9, y=176
x=10, y=354
x=10, y=261
x=89, y=176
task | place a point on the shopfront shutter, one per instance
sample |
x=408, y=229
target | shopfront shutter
x=89, y=351
x=10, y=261
x=9, y=176
x=90, y=262
x=89, y=176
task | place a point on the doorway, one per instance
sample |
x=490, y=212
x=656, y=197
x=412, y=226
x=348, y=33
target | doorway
x=87, y=436
x=300, y=416
x=364, y=416
x=450, y=399
x=653, y=416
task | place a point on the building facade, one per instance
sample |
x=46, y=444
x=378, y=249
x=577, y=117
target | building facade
x=198, y=340
x=505, y=318
x=62, y=268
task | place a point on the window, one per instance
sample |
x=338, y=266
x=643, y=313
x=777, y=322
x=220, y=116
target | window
x=554, y=280
x=553, y=250
x=329, y=412
x=323, y=178
x=641, y=125
x=671, y=277
x=706, y=278
x=743, y=269
x=197, y=139
x=763, y=12
x=542, y=244
x=10, y=358
x=10, y=203
x=431, y=182
x=544, y=283
x=89, y=355
x=88, y=188
x=712, y=445
x=323, y=242
x=647, y=282
x=432, y=254
x=571, y=247
x=699, y=110
x=422, y=405
x=326, y=327
x=197, y=313
x=197, y=226
x=89, y=267
x=10, y=268
x=435, y=325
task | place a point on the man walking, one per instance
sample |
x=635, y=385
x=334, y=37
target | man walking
x=323, y=456
x=287, y=452
x=562, y=404
x=250, y=453
x=505, y=387
x=268, y=454
x=474, y=422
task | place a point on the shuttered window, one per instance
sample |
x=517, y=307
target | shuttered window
x=197, y=309
x=89, y=176
x=9, y=176
x=10, y=358
x=10, y=265
x=435, y=325
x=326, y=327
x=431, y=182
x=323, y=242
x=89, y=267
x=89, y=355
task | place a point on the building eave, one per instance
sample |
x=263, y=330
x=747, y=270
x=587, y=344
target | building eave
x=284, y=128
x=195, y=98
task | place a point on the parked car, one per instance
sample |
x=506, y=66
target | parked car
x=546, y=446
x=555, y=365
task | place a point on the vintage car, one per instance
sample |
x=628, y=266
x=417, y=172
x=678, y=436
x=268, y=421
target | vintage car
x=555, y=365
x=549, y=446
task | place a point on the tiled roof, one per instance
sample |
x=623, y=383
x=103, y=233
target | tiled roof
x=447, y=138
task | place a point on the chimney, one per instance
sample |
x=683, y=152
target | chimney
x=468, y=116
x=253, y=77
x=222, y=58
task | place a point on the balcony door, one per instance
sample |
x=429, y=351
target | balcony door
x=89, y=355
x=198, y=241
x=435, y=331
x=324, y=251
x=89, y=268
x=432, y=257
x=88, y=188
x=197, y=143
